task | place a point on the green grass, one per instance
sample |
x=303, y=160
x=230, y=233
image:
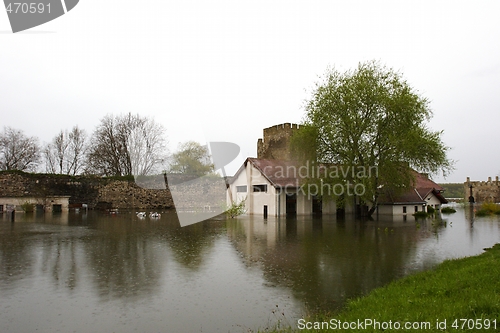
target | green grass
x=467, y=288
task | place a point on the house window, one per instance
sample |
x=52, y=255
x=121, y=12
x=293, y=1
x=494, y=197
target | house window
x=404, y=209
x=260, y=188
x=416, y=209
x=242, y=188
x=1, y=208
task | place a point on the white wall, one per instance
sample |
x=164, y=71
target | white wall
x=46, y=202
x=433, y=201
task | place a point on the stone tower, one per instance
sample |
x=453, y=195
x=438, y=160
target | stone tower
x=275, y=143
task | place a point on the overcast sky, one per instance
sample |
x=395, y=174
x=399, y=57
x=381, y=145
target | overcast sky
x=224, y=70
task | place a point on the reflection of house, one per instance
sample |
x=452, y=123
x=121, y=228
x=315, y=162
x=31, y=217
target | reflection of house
x=425, y=193
x=49, y=204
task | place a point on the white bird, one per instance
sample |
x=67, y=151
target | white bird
x=141, y=214
x=154, y=215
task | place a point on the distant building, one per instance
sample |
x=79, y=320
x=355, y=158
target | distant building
x=55, y=204
x=424, y=193
x=482, y=191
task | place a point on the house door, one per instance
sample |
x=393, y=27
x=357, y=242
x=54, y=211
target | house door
x=291, y=204
x=317, y=205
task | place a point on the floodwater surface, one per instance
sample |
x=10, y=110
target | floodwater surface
x=95, y=272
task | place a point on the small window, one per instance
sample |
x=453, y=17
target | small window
x=260, y=188
x=242, y=188
x=416, y=209
x=404, y=209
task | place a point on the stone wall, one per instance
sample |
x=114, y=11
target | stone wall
x=275, y=143
x=106, y=193
x=483, y=191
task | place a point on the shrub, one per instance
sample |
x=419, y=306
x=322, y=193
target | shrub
x=488, y=208
x=236, y=209
x=448, y=210
x=421, y=214
x=28, y=207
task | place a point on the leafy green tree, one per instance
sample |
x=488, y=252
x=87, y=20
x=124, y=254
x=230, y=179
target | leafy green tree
x=370, y=119
x=191, y=158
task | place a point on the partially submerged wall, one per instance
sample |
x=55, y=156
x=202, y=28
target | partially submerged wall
x=99, y=192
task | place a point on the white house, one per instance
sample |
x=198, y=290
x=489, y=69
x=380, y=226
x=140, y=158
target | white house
x=273, y=187
x=424, y=193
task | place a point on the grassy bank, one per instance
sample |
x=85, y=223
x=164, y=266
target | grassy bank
x=467, y=289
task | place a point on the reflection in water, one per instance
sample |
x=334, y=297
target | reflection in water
x=326, y=261
x=98, y=272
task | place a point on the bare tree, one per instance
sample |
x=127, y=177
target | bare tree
x=55, y=153
x=17, y=151
x=76, y=150
x=126, y=145
x=66, y=153
x=146, y=146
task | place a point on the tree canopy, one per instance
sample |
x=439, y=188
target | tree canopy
x=367, y=118
x=192, y=158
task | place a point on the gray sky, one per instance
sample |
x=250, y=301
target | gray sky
x=224, y=70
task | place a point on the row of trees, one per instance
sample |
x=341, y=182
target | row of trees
x=120, y=145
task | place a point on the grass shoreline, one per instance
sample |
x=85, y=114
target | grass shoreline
x=467, y=288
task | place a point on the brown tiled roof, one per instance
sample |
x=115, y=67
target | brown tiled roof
x=422, y=181
x=422, y=187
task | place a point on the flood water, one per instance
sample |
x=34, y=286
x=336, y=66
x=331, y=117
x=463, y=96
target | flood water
x=95, y=272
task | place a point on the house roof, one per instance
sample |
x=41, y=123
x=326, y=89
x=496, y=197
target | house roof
x=422, y=181
x=279, y=173
x=422, y=187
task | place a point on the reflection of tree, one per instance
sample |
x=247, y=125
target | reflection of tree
x=122, y=255
x=325, y=263
x=191, y=243
x=128, y=255
x=60, y=258
x=16, y=257
x=123, y=259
